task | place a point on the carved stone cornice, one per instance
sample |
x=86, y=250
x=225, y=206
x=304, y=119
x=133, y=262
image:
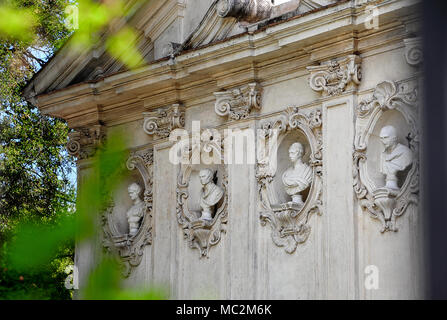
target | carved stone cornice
x=238, y=103
x=413, y=51
x=245, y=10
x=83, y=142
x=163, y=120
x=335, y=77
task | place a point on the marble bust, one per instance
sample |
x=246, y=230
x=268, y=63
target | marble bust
x=210, y=194
x=136, y=212
x=298, y=177
x=395, y=157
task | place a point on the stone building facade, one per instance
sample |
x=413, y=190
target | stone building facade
x=328, y=212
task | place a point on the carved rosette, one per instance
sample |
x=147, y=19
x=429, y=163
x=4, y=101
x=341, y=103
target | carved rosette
x=413, y=51
x=129, y=248
x=245, y=10
x=383, y=204
x=202, y=234
x=335, y=77
x=238, y=103
x=162, y=121
x=289, y=222
x=83, y=142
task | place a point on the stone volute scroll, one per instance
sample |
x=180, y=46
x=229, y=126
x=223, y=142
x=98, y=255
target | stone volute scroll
x=336, y=76
x=83, y=142
x=202, y=198
x=128, y=243
x=386, y=155
x=237, y=103
x=289, y=174
x=162, y=121
x=413, y=51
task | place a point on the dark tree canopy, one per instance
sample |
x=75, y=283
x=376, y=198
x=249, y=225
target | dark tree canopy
x=33, y=163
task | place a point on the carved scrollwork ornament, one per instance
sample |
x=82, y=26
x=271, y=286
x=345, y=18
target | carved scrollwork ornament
x=386, y=203
x=335, y=77
x=129, y=248
x=162, y=121
x=238, y=103
x=203, y=233
x=413, y=51
x=83, y=142
x=289, y=222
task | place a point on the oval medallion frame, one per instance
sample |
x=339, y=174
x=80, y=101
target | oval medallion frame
x=384, y=204
x=202, y=234
x=289, y=224
x=129, y=248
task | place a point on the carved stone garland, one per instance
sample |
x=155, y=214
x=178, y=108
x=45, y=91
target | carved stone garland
x=335, y=77
x=200, y=234
x=238, y=103
x=387, y=96
x=290, y=225
x=130, y=248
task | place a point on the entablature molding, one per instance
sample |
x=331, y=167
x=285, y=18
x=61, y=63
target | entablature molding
x=264, y=47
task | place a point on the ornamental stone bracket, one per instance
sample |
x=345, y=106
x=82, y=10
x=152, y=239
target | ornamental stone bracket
x=337, y=76
x=237, y=104
x=288, y=209
x=413, y=51
x=83, y=142
x=162, y=121
x=129, y=248
x=386, y=153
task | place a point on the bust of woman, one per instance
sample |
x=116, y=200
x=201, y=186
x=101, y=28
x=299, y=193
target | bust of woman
x=298, y=177
x=136, y=212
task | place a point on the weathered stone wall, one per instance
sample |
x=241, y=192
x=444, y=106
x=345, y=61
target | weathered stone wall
x=315, y=68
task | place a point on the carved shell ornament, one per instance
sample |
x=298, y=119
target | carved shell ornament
x=203, y=229
x=130, y=247
x=387, y=202
x=289, y=221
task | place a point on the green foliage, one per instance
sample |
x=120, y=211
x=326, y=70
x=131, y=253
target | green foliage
x=38, y=224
